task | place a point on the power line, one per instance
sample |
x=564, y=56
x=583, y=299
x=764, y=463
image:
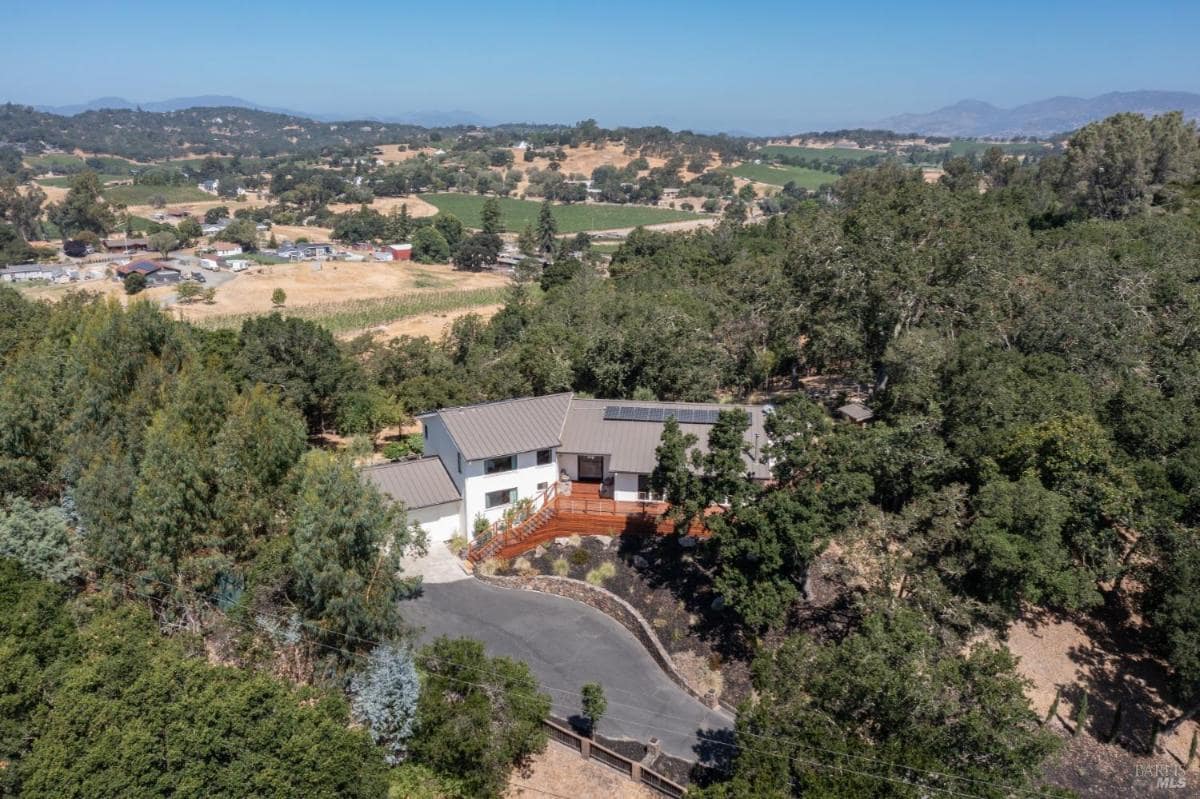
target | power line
x=212, y=600
x=527, y=697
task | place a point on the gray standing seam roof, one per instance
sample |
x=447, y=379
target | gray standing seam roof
x=506, y=427
x=418, y=483
x=857, y=412
x=632, y=445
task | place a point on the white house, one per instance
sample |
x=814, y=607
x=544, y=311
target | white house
x=224, y=249
x=28, y=272
x=498, y=453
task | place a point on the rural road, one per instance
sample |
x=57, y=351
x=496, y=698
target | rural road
x=567, y=644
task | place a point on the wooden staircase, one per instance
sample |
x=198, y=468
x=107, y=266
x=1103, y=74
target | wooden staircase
x=582, y=511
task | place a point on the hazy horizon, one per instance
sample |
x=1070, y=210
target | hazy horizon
x=792, y=67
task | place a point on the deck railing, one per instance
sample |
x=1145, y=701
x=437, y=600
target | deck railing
x=505, y=530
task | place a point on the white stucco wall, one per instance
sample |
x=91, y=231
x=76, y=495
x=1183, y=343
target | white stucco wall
x=525, y=478
x=440, y=522
x=438, y=442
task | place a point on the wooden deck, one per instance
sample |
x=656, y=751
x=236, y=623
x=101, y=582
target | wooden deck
x=583, y=511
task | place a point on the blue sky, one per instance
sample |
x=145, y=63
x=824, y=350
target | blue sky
x=763, y=67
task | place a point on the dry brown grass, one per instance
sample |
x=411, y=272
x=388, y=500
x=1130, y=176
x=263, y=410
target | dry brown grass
x=1080, y=654
x=562, y=772
x=197, y=209
x=393, y=154
x=431, y=325
x=384, y=205
x=336, y=281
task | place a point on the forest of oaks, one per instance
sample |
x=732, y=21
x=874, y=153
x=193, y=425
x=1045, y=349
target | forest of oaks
x=196, y=596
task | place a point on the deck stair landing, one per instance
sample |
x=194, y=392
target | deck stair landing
x=572, y=509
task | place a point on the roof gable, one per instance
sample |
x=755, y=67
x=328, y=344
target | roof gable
x=418, y=483
x=632, y=445
x=508, y=426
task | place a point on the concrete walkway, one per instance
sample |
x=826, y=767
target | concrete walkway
x=566, y=644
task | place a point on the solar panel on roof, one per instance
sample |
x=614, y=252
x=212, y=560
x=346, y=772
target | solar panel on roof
x=642, y=413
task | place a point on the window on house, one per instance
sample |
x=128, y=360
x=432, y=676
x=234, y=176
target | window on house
x=543, y=457
x=542, y=486
x=426, y=430
x=458, y=460
x=646, y=492
x=497, y=465
x=496, y=499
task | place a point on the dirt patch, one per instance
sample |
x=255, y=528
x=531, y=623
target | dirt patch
x=559, y=771
x=1102, y=655
x=433, y=326
x=197, y=209
x=672, y=227
x=397, y=153
x=584, y=159
x=334, y=281
x=384, y=205
x=297, y=232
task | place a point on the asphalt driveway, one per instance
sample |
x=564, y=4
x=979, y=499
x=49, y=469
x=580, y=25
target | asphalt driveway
x=567, y=644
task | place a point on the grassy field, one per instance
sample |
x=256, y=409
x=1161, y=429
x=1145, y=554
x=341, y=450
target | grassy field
x=61, y=161
x=571, y=218
x=823, y=153
x=142, y=195
x=782, y=175
x=65, y=181
x=340, y=317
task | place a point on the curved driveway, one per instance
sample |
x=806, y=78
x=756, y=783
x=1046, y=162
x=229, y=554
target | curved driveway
x=567, y=644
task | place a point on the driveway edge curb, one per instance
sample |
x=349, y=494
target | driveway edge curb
x=619, y=611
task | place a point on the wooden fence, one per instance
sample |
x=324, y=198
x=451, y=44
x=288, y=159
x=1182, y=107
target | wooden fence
x=633, y=769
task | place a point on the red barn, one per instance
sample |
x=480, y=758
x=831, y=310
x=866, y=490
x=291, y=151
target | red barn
x=400, y=252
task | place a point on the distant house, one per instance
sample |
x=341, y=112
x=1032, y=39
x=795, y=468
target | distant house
x=27, y=272
x=223, y=249
x=125, y=245
x=514, y=258
x=209, y=186
x=670, y=193
x=213, y=228
x=301, y=252
x=156, y=273
x=400, y=252
x=856, y=412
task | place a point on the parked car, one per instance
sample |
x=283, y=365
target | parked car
x=199, y=277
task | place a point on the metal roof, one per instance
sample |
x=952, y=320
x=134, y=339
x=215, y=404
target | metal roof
x=631, y=445
x=506, y=427
x=856, y=411
x=418, y=483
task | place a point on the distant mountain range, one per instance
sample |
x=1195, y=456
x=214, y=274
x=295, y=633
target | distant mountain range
x=426, y=119
x=1041, y=118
